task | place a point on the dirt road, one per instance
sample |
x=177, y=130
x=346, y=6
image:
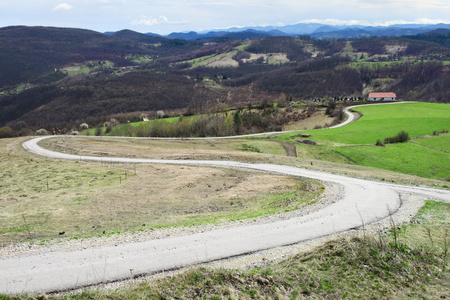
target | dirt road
x=361, y=201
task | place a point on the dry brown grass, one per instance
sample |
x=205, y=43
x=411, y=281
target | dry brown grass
x=165, y=149
x=317, y=157
x=40, y=197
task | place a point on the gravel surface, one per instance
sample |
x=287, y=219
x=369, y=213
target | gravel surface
x=410, y=206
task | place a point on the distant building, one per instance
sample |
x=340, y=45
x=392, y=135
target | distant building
x=382, y=97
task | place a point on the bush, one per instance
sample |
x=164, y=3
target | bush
x=98, y=131
x=110, y=125
x=401, y=137
x=439, y=132
x=379, y=143
x=6, y=132
x=84, y=126
x=41, y=131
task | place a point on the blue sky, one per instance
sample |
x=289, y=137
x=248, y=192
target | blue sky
x=168, y=16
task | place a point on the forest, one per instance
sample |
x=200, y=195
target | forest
x=129, y=73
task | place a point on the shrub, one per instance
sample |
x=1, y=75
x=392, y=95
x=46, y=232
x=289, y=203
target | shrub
x=98, y=131
x=84, y=126
x=439, y=132
x=401, y=137
x=41, y=131
x=330, y=108
x=379, y=143
x=6, y=132
x=338, y=114
x=110, y=125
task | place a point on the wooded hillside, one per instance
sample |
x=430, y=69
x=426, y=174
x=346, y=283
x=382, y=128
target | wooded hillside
x=58, y=76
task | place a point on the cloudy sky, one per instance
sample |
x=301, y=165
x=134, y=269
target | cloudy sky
x=168, y=16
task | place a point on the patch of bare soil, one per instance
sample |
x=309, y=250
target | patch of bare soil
x=290, y=149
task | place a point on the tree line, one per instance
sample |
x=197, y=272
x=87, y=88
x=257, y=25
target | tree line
x=240, y=121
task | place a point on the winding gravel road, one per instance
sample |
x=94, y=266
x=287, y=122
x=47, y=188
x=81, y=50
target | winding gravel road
x=61, y=270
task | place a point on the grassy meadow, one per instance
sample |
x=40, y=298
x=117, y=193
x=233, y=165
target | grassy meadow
x=425, y=155
x=382, y=121
x=406, y=158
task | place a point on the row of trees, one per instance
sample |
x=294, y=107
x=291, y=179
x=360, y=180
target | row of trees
x=225, y=124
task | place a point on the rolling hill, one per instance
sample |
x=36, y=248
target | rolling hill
x=62, y=76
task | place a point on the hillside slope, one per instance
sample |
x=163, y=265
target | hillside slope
x=215, y=72
x=29, y=52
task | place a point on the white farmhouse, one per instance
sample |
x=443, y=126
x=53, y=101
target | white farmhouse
x=382, y=96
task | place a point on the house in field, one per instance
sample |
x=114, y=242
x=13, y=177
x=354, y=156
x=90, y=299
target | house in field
x=382, y=96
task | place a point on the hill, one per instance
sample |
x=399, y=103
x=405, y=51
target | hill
x=29, y=52
x=242, y=34
x=59, y=105
x=57, y=76
x=139, y=37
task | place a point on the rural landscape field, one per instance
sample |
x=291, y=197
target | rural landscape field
x=239, y=165
x=87, y=200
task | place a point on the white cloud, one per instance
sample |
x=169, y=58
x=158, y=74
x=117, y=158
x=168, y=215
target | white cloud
x=149, y=21
x=62, y=6
x=375, y=23
x=335, y=22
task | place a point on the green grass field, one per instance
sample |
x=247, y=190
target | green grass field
x=425, y=155
x=441, y=142
x=381, y=121
x=406, y=158
x=123, y=128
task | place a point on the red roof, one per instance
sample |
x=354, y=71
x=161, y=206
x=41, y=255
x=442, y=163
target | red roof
x=382, y=95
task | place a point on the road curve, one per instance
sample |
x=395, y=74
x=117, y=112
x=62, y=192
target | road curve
x=62, y=270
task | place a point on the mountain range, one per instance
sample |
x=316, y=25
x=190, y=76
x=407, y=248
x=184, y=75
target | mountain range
x=315, y=30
